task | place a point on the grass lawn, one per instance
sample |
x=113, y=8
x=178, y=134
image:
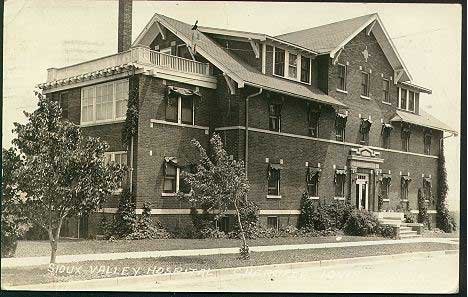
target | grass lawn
x=75, y=246
x=436, y=233
x=90, y=269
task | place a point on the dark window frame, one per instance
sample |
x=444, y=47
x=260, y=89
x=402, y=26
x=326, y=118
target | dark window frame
x=386, y=90
x=171, y=177
x=274, y=117
x=365, y=84
x=313, y=119
x=276, y=220
x=306, y=72
x=279, y=67
x=342, y=77
x=340, y=185
x=274, y=176
x=183, y=101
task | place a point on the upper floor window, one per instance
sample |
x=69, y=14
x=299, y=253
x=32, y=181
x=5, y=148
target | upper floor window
x=365, y=84
x=407, y=100
x=427, y=143
x=364, y=131
x=275, y=117
x=63, y=103
x=104, y=102
x=180, y=106
x=170, y=178
x=287, y=64
x=313, y=120
x=292, y=71
x=274, y=178
x=340, y=126
x=279, y=61
x=342, y=76
x=405, y=138
x=305, y=69
x=386, y=131
x=386, y=88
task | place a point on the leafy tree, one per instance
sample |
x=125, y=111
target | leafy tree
x=13, y=220
x=63, y=172
x=218, y=184
x=444, y=220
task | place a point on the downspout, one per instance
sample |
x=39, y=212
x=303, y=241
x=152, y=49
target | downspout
x=246, y=148
x=130, y=172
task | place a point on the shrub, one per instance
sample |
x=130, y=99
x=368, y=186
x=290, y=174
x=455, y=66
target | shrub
x=380, y=202
x=387, y=231
x=423, y=217
x=361, y=223
x=145, y=228
x=322, y=217
x=444, y=220
x=125, y=218
x=409, y=217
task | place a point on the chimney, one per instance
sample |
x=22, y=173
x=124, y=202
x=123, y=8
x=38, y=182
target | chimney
x=125, y=25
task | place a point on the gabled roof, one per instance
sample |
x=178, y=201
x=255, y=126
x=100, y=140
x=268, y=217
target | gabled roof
x=232, y=66
x=331, y=38
x=423, y=119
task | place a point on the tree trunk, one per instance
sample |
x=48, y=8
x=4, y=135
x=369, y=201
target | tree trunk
x=244, y=241
x=53, y=238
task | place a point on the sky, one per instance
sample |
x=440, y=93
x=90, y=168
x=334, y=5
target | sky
x=39, y=34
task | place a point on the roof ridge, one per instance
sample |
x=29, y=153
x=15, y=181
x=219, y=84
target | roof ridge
x=328, y=24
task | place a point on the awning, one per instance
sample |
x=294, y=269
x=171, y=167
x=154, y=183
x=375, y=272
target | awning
x=428, y=180
x=386, y=176
x=176, y=91
x=340, y=171
x=312, y=172
x=171, y=160
x=340, y=120
x=422, y=119
x=406, y=178
x=276, y=166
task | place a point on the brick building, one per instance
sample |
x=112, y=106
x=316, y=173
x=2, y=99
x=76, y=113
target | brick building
x=329, y=111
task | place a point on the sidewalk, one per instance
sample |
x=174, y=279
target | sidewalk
x=35, y=261
x=181, y=280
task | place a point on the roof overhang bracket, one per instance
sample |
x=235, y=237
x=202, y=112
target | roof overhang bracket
x=336, y=56
x=255, y=48
x=398, y=75
x=161, y=30
x=230, y=83
x=370, y=27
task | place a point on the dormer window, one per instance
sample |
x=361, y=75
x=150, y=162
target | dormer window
x=291, y=65
x=407, y=100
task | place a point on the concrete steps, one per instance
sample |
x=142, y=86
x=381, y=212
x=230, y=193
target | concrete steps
x=395, y=219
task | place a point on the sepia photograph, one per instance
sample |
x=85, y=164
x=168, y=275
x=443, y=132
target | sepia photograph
x=198, y=146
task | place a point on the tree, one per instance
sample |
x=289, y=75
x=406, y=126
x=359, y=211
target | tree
x=444, y=220
x=63, y=172
x=13, y=221
x=218, y=184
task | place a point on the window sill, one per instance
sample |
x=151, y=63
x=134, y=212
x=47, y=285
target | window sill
x=427, y=201
x=163, y=122
x=387, y=103
x=314, y=198
x=273, y=196
x=365, y=97
x=340, y=198
x=386, y=200
x=342, y=91
x=404, y=200
x=168, y=194
x=90, y=124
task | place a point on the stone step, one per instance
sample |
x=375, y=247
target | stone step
x=408, y=232
x=409, y=235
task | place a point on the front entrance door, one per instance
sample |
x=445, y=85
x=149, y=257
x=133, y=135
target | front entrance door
x=362, y=191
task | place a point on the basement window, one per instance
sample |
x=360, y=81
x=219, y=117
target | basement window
x=273, y=223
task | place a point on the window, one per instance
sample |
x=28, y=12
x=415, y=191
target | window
x=273, y=223
x=386, y=131
x=340, y=181
x=364, y=131
x=411, y=101
x=385, y=187
x=313, y=119
x=279, y=61
x=427, y=143
x=223, y=225
x=63, y=103
x=291, y=65
x=405, y=138
x=340, y=126
x=170, y=178
x=104, y=102
x=305, y=69
x=312, y=179
x=427, y=188
x=342, y=76
x=274, y=180
x=275, y=117
x=403, y=99
x=386, y=88
x=405, y=180
x=187, y=110
x=292, y=70
x=171, y=109
x=365, y=84
x=118, y=158
x=182, y=103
